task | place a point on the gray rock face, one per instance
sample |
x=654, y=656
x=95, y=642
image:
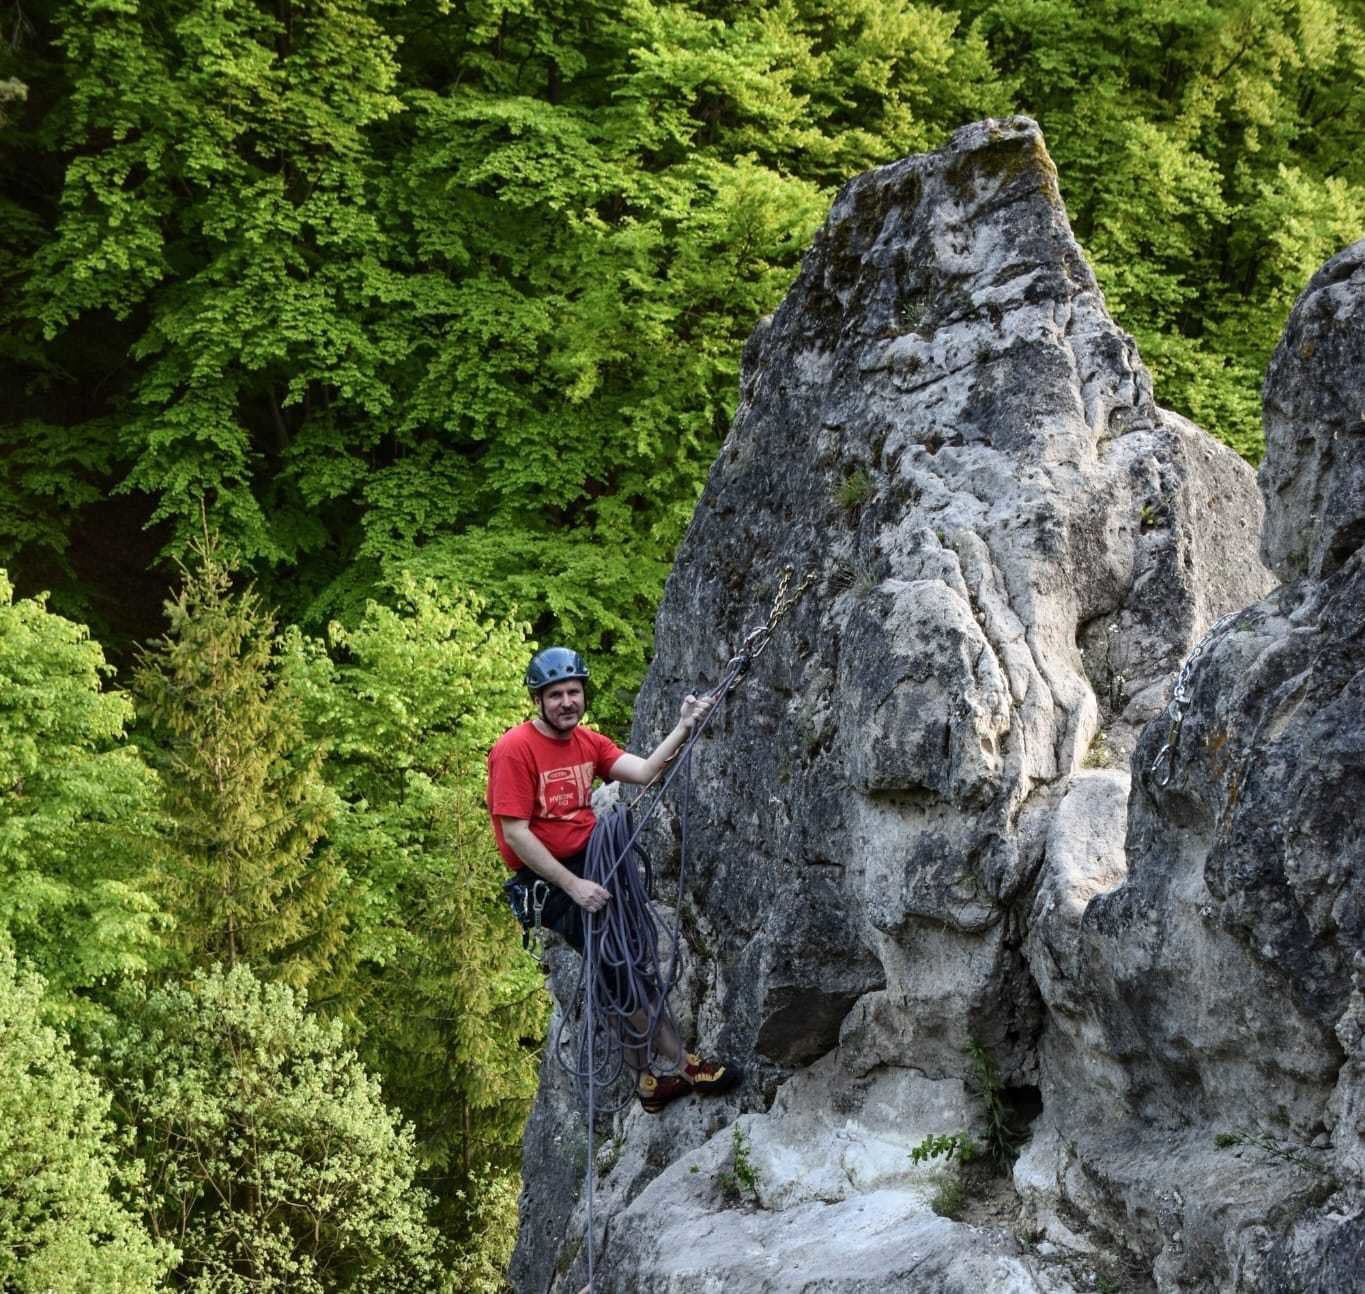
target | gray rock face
x=1314, y=471
x=912, y=827
x=1222, y=982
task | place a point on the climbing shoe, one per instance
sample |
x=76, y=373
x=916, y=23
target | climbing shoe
x=657, y=1090
x=710, y=1077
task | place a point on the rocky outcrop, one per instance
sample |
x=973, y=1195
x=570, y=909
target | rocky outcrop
x=917, y=861
x=1215, y=996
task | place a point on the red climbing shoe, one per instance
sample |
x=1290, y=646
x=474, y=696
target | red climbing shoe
x=657, y=1090
x=711, y=1077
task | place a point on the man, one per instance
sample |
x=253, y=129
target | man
x=540, y=777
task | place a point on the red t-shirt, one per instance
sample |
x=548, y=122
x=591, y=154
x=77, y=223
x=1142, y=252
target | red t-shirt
x=548, y=783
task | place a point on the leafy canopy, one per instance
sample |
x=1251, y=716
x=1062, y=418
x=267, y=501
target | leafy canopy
x=65, y=1224
x=78, y=808
x=271, y=1160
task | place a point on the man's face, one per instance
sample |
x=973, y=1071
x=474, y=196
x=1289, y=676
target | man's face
x=562, y=704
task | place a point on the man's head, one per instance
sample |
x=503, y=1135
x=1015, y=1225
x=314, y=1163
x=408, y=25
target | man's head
x=558, y=679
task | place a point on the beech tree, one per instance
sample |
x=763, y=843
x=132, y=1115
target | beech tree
x=78, y=809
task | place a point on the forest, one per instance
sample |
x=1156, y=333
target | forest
x=349, y=350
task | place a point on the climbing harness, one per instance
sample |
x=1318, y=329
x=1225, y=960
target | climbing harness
x=1180, y=696
x=627, y=971
x=527, y=901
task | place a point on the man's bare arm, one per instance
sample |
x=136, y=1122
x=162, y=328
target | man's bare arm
x=641, y=772
x=520, y=839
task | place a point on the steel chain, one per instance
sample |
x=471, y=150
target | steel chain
x=756, y=643
x=1180, y=695
x=608, y=849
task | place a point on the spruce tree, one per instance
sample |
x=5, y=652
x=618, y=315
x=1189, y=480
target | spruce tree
x=248, y=879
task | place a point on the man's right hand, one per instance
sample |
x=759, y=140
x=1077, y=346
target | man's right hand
x=589, y=896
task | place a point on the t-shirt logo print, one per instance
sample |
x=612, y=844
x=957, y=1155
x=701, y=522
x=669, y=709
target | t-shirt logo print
x=563, y=791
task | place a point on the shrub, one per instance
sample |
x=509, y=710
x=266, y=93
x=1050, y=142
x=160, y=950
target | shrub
x=271, y=1160
x=63, y=1227
x=77, y=809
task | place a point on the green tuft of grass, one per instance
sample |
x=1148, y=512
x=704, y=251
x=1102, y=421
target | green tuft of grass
x=854, y=490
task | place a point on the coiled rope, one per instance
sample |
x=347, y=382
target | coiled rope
x=623, y=970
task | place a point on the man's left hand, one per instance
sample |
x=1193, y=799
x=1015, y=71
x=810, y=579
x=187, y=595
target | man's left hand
x=693, y=708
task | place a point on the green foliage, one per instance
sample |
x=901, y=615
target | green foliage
x=739, y=1182
x=449, y=1007
x=950, y=1192
x=224, y=208
x=854, y=490
x=949, y=1199
x=77, y=808
x=999, y=1135
x=12, y=90
x=244, y=876
x=406, y=288
x=271, y=1160
x=65, y=1226
x=480, y=1265
x=950, y=1145
x=1099, y=754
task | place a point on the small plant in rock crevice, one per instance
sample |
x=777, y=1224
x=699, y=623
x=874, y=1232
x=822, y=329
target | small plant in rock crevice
x=1272, y=1149
x=1002, y=1143
x=738, y=1184
x=959, y=1145
x=950, y=1194
x=949, y=1200
x=854, y=490
x=1100, y=754
x=858, y=579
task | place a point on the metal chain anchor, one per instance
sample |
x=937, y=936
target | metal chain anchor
x=605, y=858
x=756, y=643
x=1180, y=696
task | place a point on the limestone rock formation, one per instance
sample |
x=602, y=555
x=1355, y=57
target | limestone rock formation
x=908, y=826
x=1216, y=995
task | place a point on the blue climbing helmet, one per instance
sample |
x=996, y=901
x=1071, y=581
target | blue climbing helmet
x=554, y=665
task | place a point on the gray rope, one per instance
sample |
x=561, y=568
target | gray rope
x=622, y=971
x=625, y=949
